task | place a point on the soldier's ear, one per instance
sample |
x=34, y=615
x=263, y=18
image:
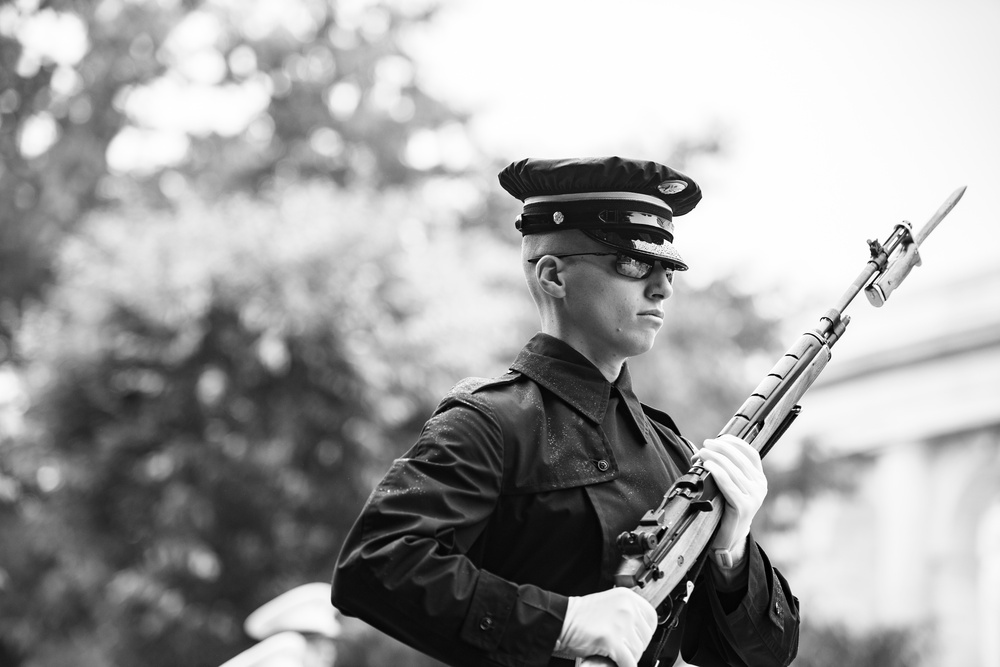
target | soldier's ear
x=550, y=273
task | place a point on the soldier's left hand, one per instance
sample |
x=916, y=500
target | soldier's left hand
x=738, y=472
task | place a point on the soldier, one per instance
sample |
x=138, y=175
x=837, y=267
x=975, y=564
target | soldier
x=492, y=541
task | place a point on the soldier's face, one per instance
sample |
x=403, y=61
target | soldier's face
x=611, y=313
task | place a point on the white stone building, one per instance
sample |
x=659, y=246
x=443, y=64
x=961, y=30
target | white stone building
x=913, y=396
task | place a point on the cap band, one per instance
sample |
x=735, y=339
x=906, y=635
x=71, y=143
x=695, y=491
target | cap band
x=573, y=215
x=581, y=196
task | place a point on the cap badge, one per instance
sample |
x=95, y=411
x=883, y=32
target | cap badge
x=558, y=217
x=671, y=187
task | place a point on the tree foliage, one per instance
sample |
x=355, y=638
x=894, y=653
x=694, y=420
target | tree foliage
x=213, y=407
x=102, y=102
x=189, y=403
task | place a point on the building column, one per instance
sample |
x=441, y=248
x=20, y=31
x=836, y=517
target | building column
x=988, y=554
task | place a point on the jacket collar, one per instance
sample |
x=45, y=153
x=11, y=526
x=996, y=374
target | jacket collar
x=558, y=367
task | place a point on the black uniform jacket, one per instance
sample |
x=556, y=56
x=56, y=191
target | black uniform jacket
x=511, y=500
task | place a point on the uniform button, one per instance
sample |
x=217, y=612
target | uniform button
x=777, y=608
x=486, y=624
x=603, y=465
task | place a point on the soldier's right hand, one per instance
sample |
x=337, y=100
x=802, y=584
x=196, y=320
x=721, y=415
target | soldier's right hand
x=616, y=624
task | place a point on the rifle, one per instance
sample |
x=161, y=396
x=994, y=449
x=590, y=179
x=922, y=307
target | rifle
x=663, y=555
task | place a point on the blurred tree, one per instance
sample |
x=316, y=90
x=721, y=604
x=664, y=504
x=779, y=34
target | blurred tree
x=162, y=420
x=108, y=101
x=214, y=406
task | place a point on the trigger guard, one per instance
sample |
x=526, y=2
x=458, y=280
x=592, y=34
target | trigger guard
x=664, y=611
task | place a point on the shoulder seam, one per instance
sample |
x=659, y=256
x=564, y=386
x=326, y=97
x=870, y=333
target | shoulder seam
x=471, y=385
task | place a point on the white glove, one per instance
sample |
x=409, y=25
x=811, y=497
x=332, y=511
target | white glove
x=738, y=473
x=617, y=623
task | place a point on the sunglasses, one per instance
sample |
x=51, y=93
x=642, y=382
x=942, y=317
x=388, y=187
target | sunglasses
x=630, y=267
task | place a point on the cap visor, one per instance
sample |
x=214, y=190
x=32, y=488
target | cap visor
x=644, y=246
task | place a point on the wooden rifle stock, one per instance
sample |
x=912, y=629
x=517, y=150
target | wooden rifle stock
x=662, y=556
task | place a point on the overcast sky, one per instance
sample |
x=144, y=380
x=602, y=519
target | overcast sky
x=838, y=119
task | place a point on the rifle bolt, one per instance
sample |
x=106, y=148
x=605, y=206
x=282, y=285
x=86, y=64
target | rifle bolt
x=631, y=543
